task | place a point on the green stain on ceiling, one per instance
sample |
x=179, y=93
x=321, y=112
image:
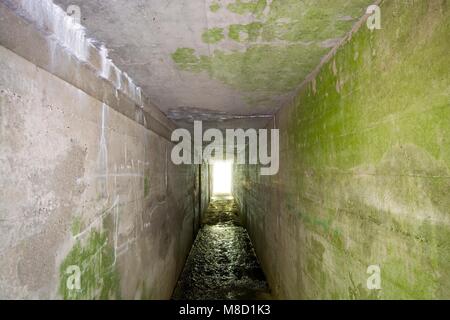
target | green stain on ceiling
x=255, y=7
x=213, y=35
x=214, y=7
x=98, y=278
x=262, y=67
x=318, y=20
x=186, y=59
x=283, y=44
x=245, y=32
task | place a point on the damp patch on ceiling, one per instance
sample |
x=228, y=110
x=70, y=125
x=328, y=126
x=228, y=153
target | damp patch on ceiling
x=276, y=49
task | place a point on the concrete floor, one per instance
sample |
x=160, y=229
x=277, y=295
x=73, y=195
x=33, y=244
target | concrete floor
x=222, y=263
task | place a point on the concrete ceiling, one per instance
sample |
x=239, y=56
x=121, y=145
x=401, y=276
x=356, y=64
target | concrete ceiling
x=218, y=59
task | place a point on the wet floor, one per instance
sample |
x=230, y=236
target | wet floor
x=222, y=263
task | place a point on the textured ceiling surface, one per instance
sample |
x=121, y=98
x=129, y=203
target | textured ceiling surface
x=218, y=59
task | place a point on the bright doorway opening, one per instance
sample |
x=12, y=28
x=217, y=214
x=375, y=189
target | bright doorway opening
x=222, y=177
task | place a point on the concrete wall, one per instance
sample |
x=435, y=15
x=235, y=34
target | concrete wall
x=83, y=185
x=365, y=168
x=205, y=188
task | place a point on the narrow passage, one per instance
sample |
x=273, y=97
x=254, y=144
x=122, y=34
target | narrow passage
x=222, y=263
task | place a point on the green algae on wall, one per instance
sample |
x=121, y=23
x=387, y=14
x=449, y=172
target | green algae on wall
x=76, y=225
x=365, y=171
x=146, y=186
x=98, y=276
x=146, y=292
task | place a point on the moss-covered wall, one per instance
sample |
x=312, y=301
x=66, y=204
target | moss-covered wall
x=364, y=168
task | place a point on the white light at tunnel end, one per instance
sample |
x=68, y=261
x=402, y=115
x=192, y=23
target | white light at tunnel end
x=250, y=146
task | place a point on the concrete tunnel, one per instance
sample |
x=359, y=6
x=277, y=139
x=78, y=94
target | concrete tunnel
x=347, y=100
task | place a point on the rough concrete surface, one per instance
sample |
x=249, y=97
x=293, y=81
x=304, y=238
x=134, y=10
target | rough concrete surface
x=83, y=185
x=364, y=168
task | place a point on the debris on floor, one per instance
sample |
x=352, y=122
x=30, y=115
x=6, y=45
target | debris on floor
x=222, y=263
